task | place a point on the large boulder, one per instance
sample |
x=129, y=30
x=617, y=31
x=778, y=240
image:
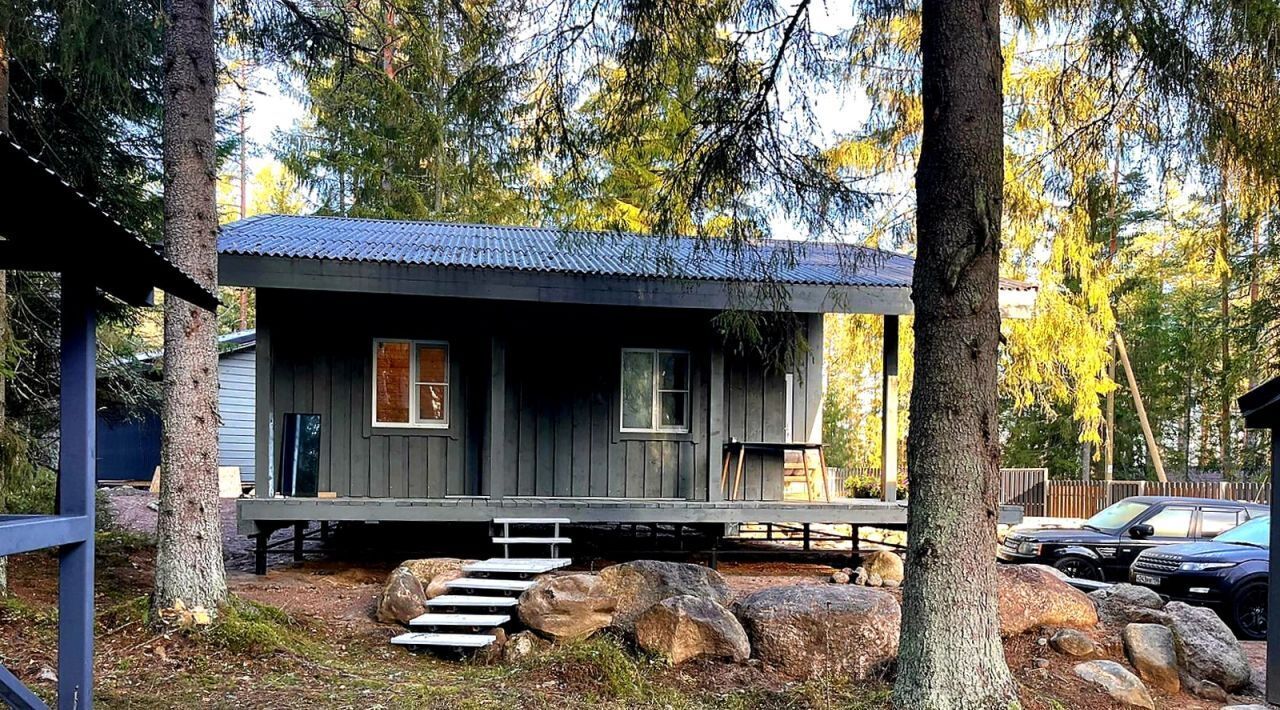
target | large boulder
x=640, y=584
x=402, y=598
x=684, y=627
x=1122, y=604
x=434, y=572
x=1206, y=648
x=885, y=564
x=1032, y=598
x=1149, y=648
x=815, y=630
x=567, y=607
x=1123, y=686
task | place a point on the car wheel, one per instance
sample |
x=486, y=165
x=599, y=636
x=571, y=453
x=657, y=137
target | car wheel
x=1249, y=611
x=1078, y=567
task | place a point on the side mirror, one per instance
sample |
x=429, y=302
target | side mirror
x=1141, y=531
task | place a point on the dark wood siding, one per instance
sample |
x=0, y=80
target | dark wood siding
x=755, y=409
x=560, y=411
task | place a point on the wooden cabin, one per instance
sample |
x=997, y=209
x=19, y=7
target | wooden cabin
x=446, y=372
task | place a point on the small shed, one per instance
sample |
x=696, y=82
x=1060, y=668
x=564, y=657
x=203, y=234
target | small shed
x=1261, y=409
x=129, y=441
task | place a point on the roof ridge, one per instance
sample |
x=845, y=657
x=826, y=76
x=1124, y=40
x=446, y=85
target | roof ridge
x=565, y=230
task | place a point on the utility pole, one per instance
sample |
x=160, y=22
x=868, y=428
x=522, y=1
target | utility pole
x=1152, y=448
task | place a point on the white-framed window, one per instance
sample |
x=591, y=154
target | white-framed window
x=410, y=383
x=655, y=390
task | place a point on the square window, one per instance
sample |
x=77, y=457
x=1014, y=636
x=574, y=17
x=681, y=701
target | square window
x=411, y=383
x=655, y=390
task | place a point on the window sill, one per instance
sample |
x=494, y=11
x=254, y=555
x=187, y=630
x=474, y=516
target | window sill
x=409, y=430
x=653, y=436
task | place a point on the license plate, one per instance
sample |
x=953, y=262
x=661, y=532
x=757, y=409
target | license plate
x=1146, y=579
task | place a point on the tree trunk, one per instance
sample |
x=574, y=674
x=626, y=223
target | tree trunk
x=4, y=296
x=189, y=532
x=950, y=654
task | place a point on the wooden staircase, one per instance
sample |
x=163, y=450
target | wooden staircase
x=485, y=597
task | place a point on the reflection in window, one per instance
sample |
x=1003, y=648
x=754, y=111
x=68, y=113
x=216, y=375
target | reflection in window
x=1216, y=522
x=411, y=390
x=1171, y=522
x=300, y=468
x=655, y=390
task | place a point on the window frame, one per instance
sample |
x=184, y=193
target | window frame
x=414, y=385
x=656, y=392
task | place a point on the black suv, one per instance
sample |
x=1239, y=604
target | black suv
x=1105, y=545
x=1227, y=574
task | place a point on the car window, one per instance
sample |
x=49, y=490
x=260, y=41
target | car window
x=1116, y=516
x=1171, y=522
x=1214, y=521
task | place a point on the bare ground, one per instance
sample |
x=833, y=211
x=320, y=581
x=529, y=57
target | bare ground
x=325, y=650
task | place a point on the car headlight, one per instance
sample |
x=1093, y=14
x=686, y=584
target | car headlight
x=1029, y=547
x=1204, y=566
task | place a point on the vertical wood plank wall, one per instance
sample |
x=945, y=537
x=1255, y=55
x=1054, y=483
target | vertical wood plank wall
x=755, y=410
x=562, y=404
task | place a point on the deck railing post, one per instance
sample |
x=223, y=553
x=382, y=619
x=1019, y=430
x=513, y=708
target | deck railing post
x=76, y=474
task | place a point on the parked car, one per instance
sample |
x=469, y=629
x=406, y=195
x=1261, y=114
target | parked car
x=1227, y=574
x=1106, y=544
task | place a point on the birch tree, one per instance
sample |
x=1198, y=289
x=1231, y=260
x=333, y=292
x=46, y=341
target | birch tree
x=189, y=565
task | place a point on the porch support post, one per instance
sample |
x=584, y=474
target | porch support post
x=889, y=412
x=76, y=473
x=715, y=425
x=264, y=412
x=495, y=471
x=1273, y=588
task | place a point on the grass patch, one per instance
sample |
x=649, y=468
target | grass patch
x=247, y=627
x=602, y=668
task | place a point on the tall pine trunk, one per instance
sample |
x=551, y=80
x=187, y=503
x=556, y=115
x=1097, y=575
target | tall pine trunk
x=950, y=654
x=189, y=546
x=4, y=296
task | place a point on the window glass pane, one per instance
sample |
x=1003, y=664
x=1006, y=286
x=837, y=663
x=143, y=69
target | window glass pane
x=432, y=400
x=432, y=361
x=673, y=371
x=671, y=410
x=1171, y=522
x=391, y=373
x=1216, y=522
x=637, y=390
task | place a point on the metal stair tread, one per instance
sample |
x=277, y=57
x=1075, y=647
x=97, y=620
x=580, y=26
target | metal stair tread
x=471, y=600
x=506, y=585
x=531, y=521
x=518, y=565
x=421, y=638
x=531, y=541
x=438, y=619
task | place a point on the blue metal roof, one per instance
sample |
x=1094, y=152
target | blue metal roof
x=571, y=252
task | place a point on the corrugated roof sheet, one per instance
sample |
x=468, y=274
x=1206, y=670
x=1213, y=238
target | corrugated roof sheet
x=572, y=252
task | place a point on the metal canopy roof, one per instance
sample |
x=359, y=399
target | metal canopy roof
x=1261, y=405
x=49, y=226
x=552, y=250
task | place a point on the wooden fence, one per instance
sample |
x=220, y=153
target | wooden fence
x=1040, y=497
x=1076, y=499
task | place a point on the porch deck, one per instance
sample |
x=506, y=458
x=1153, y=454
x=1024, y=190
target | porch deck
x=276, y=512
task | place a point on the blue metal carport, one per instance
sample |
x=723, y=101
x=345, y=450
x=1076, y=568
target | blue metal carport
x=48, y=226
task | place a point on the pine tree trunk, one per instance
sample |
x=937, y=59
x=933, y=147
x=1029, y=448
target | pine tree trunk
x=950, y=654
x=4, y=296
x=189, y=566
